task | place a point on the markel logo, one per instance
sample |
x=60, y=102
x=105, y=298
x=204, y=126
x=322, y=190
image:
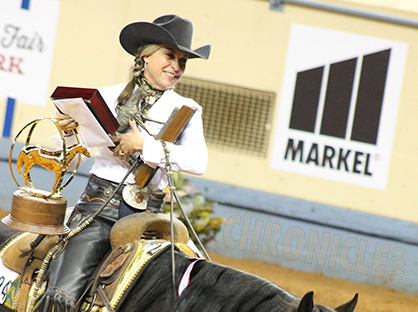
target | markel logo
x=338, y=107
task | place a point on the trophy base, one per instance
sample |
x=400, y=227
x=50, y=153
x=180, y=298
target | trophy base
x=37, y=215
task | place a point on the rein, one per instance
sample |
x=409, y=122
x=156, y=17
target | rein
x=173, y=194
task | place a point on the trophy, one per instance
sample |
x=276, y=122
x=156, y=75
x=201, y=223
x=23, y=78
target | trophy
x=35, y=210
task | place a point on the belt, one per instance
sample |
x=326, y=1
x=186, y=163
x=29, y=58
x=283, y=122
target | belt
x=98, y=187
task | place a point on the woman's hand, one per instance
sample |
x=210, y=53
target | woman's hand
x=129, y=143
x=67, y=123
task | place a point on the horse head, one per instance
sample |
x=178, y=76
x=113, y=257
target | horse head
x=76, y=148
x=85, y=151
x=307, y=305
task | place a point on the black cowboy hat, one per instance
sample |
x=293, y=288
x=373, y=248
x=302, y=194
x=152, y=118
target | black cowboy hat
x=168, y=29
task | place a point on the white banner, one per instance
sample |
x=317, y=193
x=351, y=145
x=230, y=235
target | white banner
x=27, y=39
x=338, y=106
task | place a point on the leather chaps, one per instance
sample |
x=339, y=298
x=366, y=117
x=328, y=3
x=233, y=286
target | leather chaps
x=70, y=271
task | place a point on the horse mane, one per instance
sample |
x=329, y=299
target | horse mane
x=213, y=287
x=152, y=288
x=228, y=289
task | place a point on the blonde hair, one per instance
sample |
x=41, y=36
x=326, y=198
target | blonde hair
x=139, y=66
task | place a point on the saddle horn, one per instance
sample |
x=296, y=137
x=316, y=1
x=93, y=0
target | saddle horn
x=131, y=228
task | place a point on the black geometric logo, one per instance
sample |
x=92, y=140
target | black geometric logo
x=338, y=95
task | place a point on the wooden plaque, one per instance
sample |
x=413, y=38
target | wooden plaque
x=171, y=132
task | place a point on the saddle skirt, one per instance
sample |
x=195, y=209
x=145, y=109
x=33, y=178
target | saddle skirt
x=19, y=263
x=119, y=270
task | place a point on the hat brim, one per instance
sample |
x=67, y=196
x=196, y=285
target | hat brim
x=134, y=35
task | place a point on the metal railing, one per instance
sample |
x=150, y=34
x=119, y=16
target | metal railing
x=278, y=5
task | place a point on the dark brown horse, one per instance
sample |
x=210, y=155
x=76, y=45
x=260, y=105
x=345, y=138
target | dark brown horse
x=212, y=288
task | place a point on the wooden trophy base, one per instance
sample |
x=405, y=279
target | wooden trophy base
x=37, y=215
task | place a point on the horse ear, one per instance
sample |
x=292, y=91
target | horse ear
x=349, y=306
x=307, y=303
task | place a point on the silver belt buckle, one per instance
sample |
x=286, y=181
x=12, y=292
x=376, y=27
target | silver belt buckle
x=135, y=196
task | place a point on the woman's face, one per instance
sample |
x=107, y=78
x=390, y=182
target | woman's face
x=165, y=67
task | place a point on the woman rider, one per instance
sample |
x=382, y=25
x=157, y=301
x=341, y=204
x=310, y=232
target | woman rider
x=161, y=50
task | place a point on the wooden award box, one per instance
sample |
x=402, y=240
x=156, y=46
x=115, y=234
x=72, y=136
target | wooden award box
x=94, y=102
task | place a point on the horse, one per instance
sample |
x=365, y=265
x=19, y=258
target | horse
x=212, y=288
x=54, y=161
x=137, y=276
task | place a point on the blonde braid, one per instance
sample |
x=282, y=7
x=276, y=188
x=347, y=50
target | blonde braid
x=139, y=66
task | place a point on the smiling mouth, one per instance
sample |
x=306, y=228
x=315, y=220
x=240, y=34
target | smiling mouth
x=170, y=75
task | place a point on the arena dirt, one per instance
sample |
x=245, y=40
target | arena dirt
x=328, y=291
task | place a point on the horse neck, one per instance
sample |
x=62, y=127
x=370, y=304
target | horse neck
x=73, y=150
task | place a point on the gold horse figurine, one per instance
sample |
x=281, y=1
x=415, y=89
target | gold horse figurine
x=54, y=161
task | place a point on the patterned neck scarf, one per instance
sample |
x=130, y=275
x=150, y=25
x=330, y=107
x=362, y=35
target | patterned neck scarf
x=150, y=95
x=138, y=105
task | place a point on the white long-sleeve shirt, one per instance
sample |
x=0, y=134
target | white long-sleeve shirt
x=188, y=155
